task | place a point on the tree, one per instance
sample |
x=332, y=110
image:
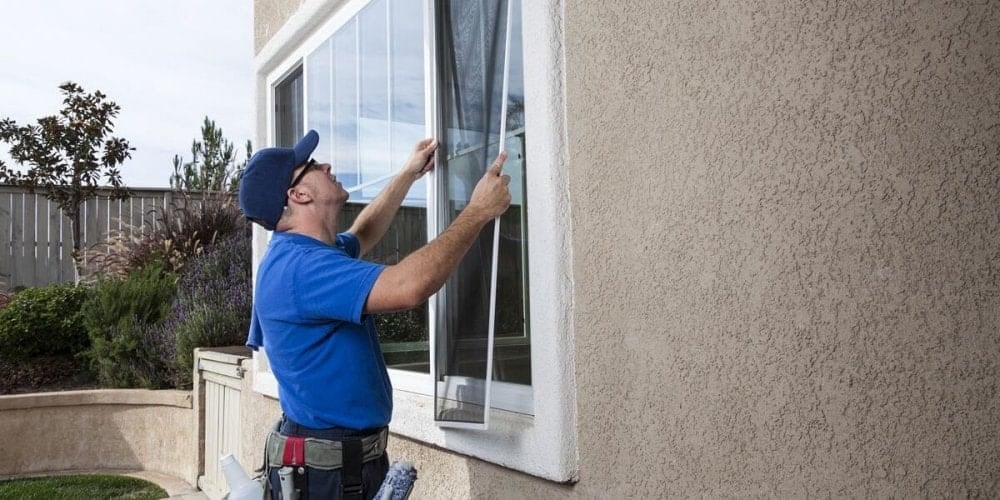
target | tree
x=213, y=165
x=67, y=155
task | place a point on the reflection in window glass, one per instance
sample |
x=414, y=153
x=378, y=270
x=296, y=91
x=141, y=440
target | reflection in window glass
x=406, y=88
x=320, y=98
x=471, y=54
x=345, y=104
x=366, y=91
x=373, y=130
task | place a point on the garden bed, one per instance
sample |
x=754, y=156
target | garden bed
x=44, y=374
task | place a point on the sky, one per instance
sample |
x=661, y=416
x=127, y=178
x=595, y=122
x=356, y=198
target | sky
x=167, y=63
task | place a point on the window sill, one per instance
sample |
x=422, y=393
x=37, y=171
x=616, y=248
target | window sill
x=514, y=440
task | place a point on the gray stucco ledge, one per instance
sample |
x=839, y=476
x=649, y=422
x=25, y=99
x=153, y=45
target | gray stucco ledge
x=129, y=397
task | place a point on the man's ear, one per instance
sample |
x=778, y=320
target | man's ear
x=299, y=195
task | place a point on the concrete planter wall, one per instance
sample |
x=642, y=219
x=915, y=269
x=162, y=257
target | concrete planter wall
x=116, y=429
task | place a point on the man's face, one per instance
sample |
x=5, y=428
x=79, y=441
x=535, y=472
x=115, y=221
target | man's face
x=320, y=181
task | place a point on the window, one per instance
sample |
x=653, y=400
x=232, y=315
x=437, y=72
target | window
x=476, y=95
x=374, y=77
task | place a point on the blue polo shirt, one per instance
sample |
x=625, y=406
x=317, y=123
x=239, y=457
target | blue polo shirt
x=324, y=353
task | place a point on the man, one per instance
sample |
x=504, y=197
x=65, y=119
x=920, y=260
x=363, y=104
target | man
x=313, y=303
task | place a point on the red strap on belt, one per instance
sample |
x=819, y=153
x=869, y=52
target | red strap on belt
x=295, y=451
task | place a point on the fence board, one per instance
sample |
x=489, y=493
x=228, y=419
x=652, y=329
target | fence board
x=60, y=270
x=88, y=224
x=103, y=217
x=6, y=247
x=17, y=238
x=66, y=248
x=39, y=234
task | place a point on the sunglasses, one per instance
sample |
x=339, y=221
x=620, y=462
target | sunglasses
x=310, y=165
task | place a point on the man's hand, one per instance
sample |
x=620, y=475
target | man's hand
x=421, y=160
x=491, y=197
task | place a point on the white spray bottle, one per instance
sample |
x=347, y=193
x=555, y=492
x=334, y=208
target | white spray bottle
x=241, y=487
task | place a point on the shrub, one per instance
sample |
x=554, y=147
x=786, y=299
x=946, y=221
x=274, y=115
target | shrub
x=403, y=326
x=43, y=321
x=212, y=308
x=119, y=316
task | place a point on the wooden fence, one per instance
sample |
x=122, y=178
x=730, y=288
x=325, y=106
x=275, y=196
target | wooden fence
x=36, y=239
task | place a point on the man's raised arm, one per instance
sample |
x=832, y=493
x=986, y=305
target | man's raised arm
x=372, y=223
x=423, y=272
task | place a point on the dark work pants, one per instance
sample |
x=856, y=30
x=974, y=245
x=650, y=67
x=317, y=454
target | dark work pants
x=325, y=484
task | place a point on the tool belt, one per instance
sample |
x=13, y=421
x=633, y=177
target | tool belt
x=318, y=453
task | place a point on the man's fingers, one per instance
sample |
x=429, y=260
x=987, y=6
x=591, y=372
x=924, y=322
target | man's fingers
x=425, y=144
x=505, y=178
x=497, y=166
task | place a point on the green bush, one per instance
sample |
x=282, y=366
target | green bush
x=43, y=321
x=119, y=316
x=403, y=326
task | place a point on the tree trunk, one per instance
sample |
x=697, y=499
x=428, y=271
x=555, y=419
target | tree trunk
x=73, y=212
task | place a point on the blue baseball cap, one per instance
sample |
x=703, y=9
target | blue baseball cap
x=265, y=180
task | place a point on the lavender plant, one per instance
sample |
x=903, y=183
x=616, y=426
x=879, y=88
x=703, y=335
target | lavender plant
x=212, y=308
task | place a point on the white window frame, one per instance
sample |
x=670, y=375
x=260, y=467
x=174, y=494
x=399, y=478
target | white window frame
x=539, y=436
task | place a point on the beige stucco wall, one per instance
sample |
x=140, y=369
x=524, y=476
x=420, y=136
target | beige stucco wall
x=786, y=246
x=259, y=415
x=117, y=429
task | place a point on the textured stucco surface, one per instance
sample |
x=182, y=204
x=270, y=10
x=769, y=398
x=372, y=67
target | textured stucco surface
x=787, y=246
x=259, y=413
x=786, y=252
x=268, y=17
x=120, y=429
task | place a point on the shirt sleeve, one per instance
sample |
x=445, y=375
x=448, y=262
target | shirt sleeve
x=349, y=243
x=331, y=285
x=255, y=339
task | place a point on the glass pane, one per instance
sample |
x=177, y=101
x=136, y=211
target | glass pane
x=471, y=52
x=288, y=110
x=366, y=99
x=512, y=348
x=320, y=100
x=373, y=112
x=345, y=104
x=512, y=351
x=406, y=88
x=403, y=335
